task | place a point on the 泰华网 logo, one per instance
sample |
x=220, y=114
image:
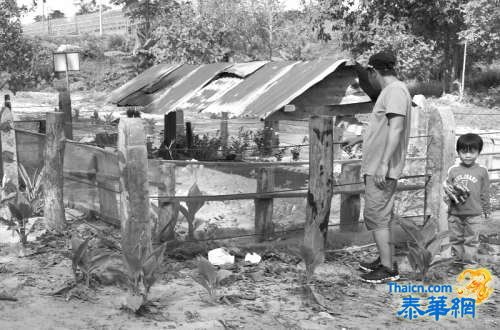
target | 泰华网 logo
x=473, y=287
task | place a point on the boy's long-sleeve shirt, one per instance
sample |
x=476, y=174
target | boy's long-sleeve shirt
x=476, y=179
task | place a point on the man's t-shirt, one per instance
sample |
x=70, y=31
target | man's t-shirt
x=476, y=179
x=394, y=99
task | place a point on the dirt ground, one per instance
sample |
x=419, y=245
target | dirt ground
x=268, y=295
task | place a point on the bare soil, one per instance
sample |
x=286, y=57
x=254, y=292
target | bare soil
x=269, y=295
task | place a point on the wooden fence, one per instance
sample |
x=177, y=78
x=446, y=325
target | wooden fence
x=116, y=182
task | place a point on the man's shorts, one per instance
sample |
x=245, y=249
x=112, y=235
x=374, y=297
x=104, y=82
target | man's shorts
x=379, y=203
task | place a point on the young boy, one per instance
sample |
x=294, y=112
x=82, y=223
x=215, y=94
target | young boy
x=467, y=188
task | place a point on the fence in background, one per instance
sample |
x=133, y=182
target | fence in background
x=113, y=22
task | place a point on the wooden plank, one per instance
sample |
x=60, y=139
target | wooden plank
x=169, y=131
x=350, y=203
x=8, y=147
x=440, y=157
x=53, y=180
x=320, y=192
x=304, y=112
x=180, y=123
x=106, y=167
x=278, y=194
x=134, y=187
x=65, y=107
x=264, y=226
x=168, y=211
x=189, y=136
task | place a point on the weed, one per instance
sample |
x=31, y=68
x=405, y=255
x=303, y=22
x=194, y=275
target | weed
x=209, y=277
x=192, y=207
x=312, y=251
x=85, y=259
x=142, y=274
x=425, y=246
x=23, y=204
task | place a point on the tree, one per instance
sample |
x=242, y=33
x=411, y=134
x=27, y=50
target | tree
x=482, y=21
x=435, y=24
x=89, y=7
x=19, y=61
x=56, y=14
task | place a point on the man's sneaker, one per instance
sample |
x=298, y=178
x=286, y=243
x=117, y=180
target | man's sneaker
x=381, y=274
x=370, y=266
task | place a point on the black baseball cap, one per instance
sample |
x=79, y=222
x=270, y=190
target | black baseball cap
x=385, y=60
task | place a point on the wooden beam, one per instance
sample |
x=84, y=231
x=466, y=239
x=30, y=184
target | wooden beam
x=8, y=147
x=134, y=187
x=440, y=157
x=168, y=212
x=304, y=112
x=350, y=203
x=53, y=180
x=65, y=107
x=264, y=226
x=320, y=192
x=170, y=130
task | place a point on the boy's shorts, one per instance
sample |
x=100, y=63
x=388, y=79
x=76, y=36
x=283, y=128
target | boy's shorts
x=379, y=203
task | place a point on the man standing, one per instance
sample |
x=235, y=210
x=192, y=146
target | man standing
x=384, y=153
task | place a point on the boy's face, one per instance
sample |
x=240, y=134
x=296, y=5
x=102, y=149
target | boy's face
x=468, y=157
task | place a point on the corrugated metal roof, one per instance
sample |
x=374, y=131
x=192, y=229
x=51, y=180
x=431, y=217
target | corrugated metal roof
x=293, y=83
x=228, y=79
x=155, y=89
x=243, y=70
x=149, y=76
x=236, y=100
x=209, y=94
x=188, y=84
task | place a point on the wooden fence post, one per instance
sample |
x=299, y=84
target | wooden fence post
x=8, y=147
x=440, y=157
x=108, y=188
x=65, y=107
x=224, y=131
x=168, y=211
x=169, y=132
x=134, y=187
x=189, y=137
x=320, y=191
x=53, y=180
x=349, y=203
x=264, y=226
x=180, y=123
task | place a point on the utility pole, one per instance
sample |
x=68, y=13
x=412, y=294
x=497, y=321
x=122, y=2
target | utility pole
x=100, y=18
x=462, y=85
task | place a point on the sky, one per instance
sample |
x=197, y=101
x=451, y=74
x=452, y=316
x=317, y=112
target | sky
x=69, y=9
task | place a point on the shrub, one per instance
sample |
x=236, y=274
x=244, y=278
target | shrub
x=426, y=88
x=485, y=80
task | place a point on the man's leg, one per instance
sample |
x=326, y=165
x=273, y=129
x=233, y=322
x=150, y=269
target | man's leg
x=382, y=238
x=378, y=215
